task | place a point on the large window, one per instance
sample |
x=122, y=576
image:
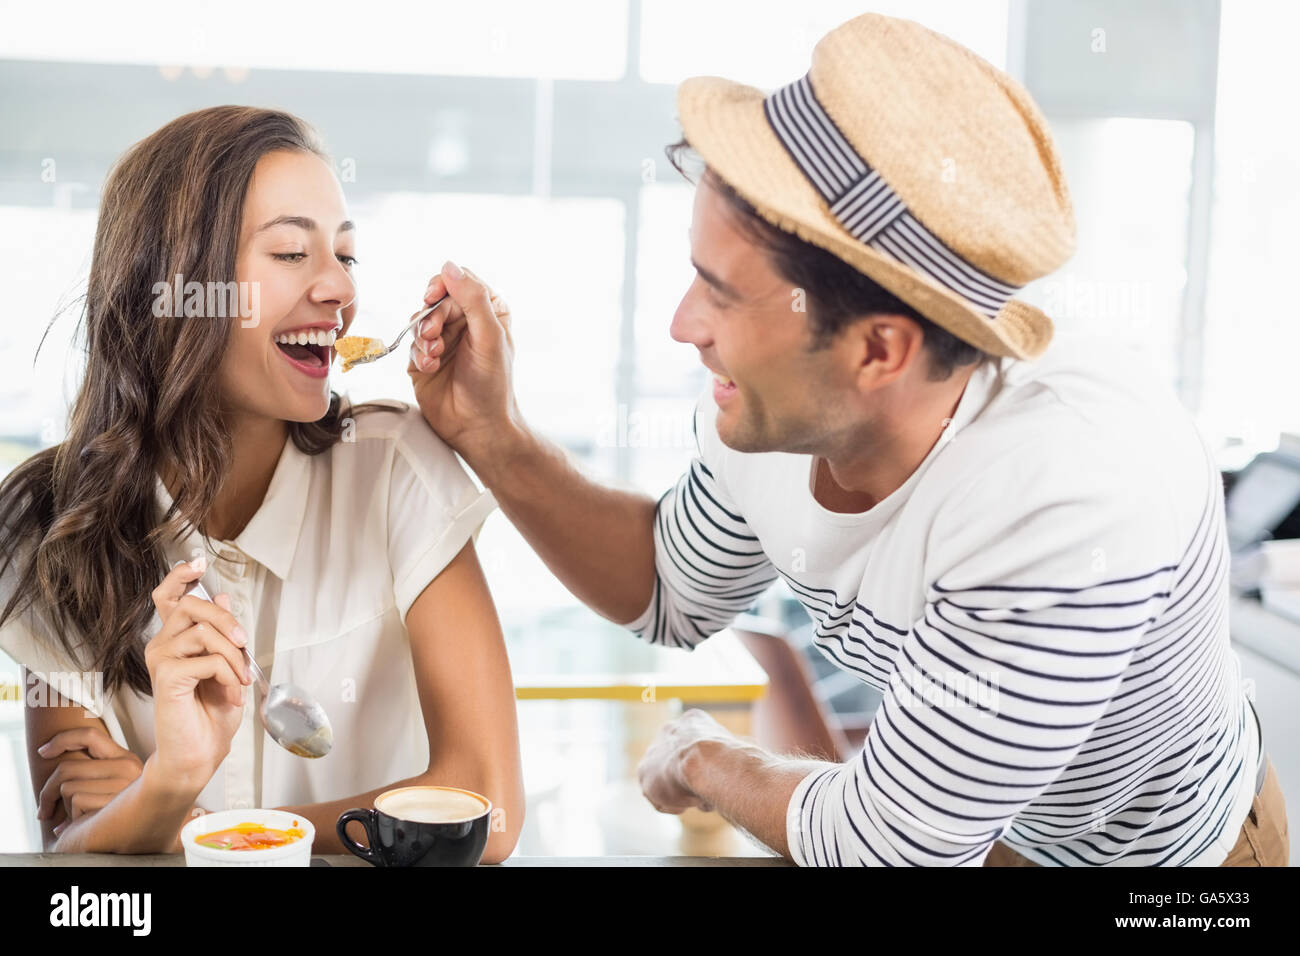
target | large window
x=1129, y=181
x=569, y=39
x=767, y=43
x=1252, y=380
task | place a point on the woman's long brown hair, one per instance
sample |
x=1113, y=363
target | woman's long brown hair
x=79, y=521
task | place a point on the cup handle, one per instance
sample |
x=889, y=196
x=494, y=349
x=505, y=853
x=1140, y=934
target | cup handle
x=367, y=819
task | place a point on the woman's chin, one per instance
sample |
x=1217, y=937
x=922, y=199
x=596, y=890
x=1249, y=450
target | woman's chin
x=307, y=411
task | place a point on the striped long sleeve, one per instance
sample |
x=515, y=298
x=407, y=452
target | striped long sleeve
x=1029, y=678
x=709, y=566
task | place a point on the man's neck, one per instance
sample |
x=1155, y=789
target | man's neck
x=873, y=466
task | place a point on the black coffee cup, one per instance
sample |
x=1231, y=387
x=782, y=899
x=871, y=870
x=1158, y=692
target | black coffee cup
x=421, y=826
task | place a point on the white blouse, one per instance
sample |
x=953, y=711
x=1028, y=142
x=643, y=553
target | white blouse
x=321, y=578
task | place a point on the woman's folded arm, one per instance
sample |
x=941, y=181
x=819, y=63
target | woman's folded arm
x=145, y=816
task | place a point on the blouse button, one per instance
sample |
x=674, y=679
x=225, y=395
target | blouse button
x=236, y=608
x=236, y=563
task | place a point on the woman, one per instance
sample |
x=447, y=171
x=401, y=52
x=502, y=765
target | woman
x=338, y=541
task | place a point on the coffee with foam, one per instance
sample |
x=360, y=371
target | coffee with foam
x=431, y=805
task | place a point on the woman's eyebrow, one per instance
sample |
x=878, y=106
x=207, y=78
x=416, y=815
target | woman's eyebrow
x=302, y=222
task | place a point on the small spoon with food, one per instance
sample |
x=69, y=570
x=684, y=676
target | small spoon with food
x=290, y=715
x=357, y=350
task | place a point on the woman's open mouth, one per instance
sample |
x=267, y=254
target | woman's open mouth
x=309, y=351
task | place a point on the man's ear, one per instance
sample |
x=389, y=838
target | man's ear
x=885, y=347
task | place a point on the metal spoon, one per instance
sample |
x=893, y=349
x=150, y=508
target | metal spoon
x=290, y=715
x=375, y=356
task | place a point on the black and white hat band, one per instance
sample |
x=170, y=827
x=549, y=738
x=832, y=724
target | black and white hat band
x=865, y=205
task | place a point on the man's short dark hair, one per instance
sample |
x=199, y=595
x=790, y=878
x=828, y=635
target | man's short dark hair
x=836, y=293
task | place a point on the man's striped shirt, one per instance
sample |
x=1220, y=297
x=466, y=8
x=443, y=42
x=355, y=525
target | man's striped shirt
x=1043, y=604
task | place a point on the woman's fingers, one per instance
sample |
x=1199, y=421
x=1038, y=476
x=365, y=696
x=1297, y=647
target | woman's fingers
x=65, y=778
x=93, y=740
x=172, y=588
x=182, y=674
x=86, y=796
x=185, y=610
x=202, y=639
x=87, y=801
x=96, y=763
x=191, y=612
x=47, y=800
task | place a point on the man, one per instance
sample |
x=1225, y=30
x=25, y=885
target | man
x=1023, y=548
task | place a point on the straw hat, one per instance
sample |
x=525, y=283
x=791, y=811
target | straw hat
x=913, y=160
